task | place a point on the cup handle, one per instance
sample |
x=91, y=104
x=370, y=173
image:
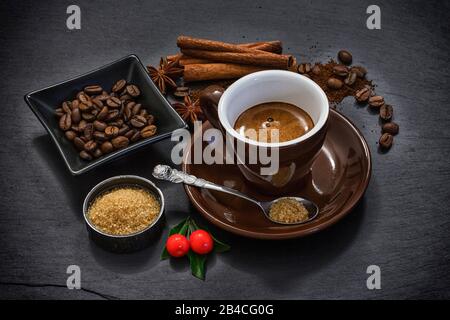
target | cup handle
x=209, y=102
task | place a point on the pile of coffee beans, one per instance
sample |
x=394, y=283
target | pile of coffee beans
x=99, y=122
x=340, y=80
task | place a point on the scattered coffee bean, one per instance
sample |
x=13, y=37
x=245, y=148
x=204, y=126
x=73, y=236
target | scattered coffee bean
x=133, y=90
x=79, y=143
x=386, y=112
x=345, y=57
x=360, y=71
x=123, y=130
x=363, y=94
x=304, y=68
x=376, y=101
x=135, y=137
x=103, y=97
x=97, y=153
x=83, y=98
x=65, y=122
x=59, y=112
x=86, y=156
x=113, y=102
x=351, y=79
x=391, y=128
x=100, y=125
x=103, y=113
x=97, y=103
x=130, y=133
x=119, y=85
x=386, y=141
x=88, y=131
x=120, y=142
x=70, y=135
x=112, y=115
x=148, y=131
x=181, y=92
x=90, y=145
x=66, y=106
x=340, y=70
x=138, y=121
x=106, y=147
x=87, y=116
x=334, y=83
x=100, y=136
x=76, y=115
x=111, y=131
x=136, y=108
x=93, y=89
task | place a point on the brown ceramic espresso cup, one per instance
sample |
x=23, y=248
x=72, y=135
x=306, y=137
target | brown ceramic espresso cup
x=295, y=157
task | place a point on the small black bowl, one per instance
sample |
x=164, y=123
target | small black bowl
x=44, y=102
x=124, y=243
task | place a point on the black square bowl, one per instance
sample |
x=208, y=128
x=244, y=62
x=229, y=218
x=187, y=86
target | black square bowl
x=44, y=102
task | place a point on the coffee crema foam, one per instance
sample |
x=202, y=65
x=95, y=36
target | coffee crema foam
x=260, y=122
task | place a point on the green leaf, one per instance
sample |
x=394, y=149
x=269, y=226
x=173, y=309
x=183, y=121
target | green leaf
x=198, y=265
x=179, y=228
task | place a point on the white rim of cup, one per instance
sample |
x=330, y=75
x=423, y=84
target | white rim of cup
x=266, y=73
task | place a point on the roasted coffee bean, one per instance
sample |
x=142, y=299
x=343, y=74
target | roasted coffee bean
x=100, y=136
x=75, y=128
x=75, y=104
x=351, y=79
x=59, y=112
x=150, y=119
x=360, y=71
x=84, y=139
x=143, y=113
x=82, y=125
x=376, y=101
x=123, y=130
x=70, y=135
x=119, y=122
x=363, y=94
x=182, y=92
x=83, y=97
x=386, y=141
x=345, y=57
x=97, y=153
x=334, y=83
x=93, y=89
x=94, y=112
x=103, y=113
x=133, y=90
x=113, y=102
x=88, y=131
x=111, y=131
x=138, y=121
x=66, y=106
x=84, y=107
x=125, y=97
x=106, y=147
x=119, y=85
x=386, y=112
x=112, y=115
x=91, y=145
x=103, y=97
x=304, y=68
x=87, y=116
x=316, y=69
x=65, y=122
x=148, y=131
x=97, y=103
x=340, y=70
x=136, y=109
x=127, y=112
x=130, y=133
x=135, y=137
x=390, y=127
x=100, y=125
x=76, y=115
x=86, y=156
x=79, y=143
x=120, y=142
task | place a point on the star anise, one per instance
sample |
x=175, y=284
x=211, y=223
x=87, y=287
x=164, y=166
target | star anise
x=166, y=74
x=189, y=111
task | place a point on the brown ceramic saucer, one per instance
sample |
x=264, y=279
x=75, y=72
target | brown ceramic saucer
x=338, y=180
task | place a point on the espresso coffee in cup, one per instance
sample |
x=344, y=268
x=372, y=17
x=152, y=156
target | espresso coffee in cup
x=273, y=122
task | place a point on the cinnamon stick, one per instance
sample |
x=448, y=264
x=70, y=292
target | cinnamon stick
x=184, y=42
x=217, y=71
x=255, y=57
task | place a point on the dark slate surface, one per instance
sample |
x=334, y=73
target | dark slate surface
x=402, y=224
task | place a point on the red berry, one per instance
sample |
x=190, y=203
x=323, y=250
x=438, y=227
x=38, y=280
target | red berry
x=201, y=242
x=177, y=245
